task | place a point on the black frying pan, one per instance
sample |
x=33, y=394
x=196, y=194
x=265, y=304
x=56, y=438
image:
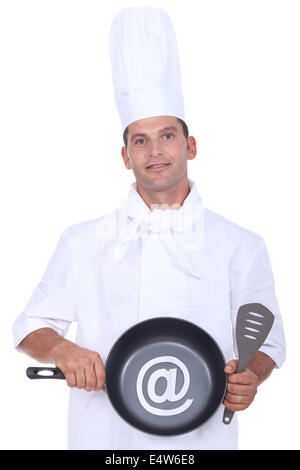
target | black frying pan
x=164, y=376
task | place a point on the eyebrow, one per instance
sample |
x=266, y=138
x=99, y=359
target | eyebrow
x=164, y=129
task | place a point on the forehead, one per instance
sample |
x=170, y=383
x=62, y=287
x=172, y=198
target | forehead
x=153, y=125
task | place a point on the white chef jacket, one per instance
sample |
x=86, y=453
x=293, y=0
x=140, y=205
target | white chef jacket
x=109, y=273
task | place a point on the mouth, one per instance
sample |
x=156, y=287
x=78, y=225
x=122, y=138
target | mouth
x=157, y=166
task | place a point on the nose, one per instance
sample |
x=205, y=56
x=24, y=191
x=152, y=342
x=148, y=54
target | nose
x=155, y=148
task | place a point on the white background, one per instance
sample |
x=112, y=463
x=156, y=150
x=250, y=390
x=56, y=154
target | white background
x=61, y=164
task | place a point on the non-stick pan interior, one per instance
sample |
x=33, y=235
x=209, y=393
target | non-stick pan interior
x=165, y=376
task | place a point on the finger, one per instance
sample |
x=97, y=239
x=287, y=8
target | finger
x=70, y=379
x=90, y=378
x=238, y=399
x=231, y=367
x=236, y=389
x=234, y=406
x=100, y=375
x=79, y=378
x=243, y=378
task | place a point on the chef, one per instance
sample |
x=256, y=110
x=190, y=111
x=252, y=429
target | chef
x=161, y=253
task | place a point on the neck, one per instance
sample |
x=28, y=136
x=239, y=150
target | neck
x=169, y=198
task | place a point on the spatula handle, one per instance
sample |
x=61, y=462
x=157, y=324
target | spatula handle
x=246, y=354
x=227, y=416
x=242, y=364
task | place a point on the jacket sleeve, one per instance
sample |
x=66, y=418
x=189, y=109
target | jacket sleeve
x=53, y=302
x=252, y=281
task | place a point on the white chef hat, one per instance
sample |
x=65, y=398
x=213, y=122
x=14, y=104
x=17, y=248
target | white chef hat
x=145, y=65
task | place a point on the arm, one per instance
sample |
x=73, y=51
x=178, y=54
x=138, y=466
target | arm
x=40, y=329
x=242, y=387
x=82, y=368
x=251, y=280
x=261, y=365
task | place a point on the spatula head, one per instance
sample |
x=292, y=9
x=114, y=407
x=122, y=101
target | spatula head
x=254, y=322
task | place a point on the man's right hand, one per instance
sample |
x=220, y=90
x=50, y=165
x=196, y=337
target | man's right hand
x=81, y=367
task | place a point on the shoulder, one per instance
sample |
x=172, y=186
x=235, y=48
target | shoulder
x=235, y=234
x=89, y=231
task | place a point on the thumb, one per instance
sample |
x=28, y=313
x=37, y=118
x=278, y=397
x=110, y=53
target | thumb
x=231, y=366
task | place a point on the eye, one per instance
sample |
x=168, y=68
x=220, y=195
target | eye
x=168, y=136
x=140, y=141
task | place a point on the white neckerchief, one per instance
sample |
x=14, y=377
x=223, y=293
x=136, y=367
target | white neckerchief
x=181, y=231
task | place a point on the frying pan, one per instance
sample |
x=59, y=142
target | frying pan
x=164, y=376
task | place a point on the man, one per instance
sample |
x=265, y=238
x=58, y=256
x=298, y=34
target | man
x=160, y=254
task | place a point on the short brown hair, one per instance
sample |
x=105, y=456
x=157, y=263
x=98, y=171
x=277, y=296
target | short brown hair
x=183, y=124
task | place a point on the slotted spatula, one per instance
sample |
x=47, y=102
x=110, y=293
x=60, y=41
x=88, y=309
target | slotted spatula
x=253, y=324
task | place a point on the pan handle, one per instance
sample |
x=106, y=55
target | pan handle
x=33, y=373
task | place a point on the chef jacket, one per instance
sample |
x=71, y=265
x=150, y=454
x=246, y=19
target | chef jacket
x=133, y=264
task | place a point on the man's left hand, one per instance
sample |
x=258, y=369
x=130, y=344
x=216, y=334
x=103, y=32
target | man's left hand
x=241, y=387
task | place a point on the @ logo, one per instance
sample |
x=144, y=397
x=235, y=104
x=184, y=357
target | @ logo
x=169, y=394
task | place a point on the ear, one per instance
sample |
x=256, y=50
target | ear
x=125, y=158
x=192, y=148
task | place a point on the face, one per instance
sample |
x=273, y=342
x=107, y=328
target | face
x=158, y=141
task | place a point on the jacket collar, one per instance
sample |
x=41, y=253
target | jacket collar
x=135, y=206
x=180, y=231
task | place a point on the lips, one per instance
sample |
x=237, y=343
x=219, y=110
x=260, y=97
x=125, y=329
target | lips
x=157, y=165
